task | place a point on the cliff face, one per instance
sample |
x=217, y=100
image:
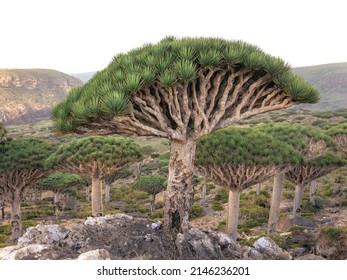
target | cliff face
x=26, y=95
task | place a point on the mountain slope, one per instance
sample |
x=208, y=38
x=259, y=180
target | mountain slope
x=331, y=81
x=28, y=94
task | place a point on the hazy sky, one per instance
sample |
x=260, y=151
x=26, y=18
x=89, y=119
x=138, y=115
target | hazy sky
x=80, y=36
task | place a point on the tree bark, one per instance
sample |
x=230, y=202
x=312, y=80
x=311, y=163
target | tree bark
x=233, y=213
x=88, y=192
x=96, y=197
x=107, y=193
x=180, y=192
x=297, y=208
x=56, y=201
x=16, y=223
x=275, y=203
x=313, y=191
x=258, y=188
x=3, y=212
x=153, y=204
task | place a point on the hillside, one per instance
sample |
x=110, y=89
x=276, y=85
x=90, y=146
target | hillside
x=331, y=81
x=27, y=95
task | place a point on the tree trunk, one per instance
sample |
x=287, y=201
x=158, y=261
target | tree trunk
x=88, y=193
x=180, y=192
x=275, y=203
x=16, y=223
x=96, y=197
x=297, y=208
x=204, y=192
x=153, y=204
x=233, y=213
x=107, y=193
x=56, y=201
x=313, y=191
x=258, y=188
x=3, y=212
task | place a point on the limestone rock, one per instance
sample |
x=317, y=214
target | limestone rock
x=270, y=250
x=252, y=254
x=30, y=252
x=99, y=254
x=310, y=257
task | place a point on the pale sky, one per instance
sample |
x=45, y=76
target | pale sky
x=83, y=35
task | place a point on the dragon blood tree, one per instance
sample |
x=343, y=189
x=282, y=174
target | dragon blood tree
x=181, y=89
x=310, y=142
x=59, y=183
x=95, y=157
x=152, y=184
x=311, y=170
x=22, y=164
x=339, y=134
x=238, y=158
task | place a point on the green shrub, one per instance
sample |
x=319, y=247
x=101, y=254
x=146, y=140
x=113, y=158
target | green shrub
x=333, y=232
x=155, y=155
x=217, y=206
x=222, y=225
x=5, y=229
x=222, y=195
x=3, y=238
x=196, y=211
x=210, y=186
x=157, y=214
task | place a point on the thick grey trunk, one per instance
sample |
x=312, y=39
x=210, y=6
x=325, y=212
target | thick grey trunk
x=297, y=208
x=107, y=193
x=153, y=204
x=2, y=206
x=180, y=192
x=275, y=203
x=96, y=197
x=313, y=191
x=88, y=193
x=16, y=223
x=56, y=201
x=258, y=188
x=233, y=213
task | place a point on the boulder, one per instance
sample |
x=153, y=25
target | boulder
x=30, y=252
x=270, y=250
x=99, y=254
x=252, y=254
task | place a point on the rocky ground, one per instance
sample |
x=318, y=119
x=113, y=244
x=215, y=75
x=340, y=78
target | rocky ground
x=125, y=237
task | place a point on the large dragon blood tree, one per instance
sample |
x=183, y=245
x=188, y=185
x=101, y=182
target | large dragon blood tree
x=95, y=157
x=310, y=142
x=181, y=89
x=238, y=158
x=22, y=164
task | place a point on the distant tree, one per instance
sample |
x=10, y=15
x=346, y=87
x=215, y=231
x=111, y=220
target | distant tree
x=238, y=158
x=152, y=184
x=310, y=142
x=311, y=170
x=21, y=166
x=182, y=89
x=339, y=134
x=59, y=183
x=95, y=157
x=113, y=177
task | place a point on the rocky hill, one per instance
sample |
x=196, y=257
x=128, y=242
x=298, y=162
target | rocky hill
x=331, y=81
x=26, y=95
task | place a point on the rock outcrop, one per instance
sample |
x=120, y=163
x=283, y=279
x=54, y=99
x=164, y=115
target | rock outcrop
x=26, y=95
x=125, y=237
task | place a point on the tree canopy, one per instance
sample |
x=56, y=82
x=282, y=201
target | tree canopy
x=171, y=65
x=307, y=140
x=152, y=184
x=80, y=155
x=59, y=181
x=241, y=157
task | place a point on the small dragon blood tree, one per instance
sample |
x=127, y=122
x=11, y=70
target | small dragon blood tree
x=96, y=157
x=181, y=89
x=238, y=158
x=22, y=164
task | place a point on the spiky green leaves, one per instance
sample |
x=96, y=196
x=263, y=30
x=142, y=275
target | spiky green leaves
x=24, y=154
x=244, y=146
x=340, y=129
x=59, y=181
x=152, y=184
x=165, y=64
x=328, y=159
x=107, y=151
